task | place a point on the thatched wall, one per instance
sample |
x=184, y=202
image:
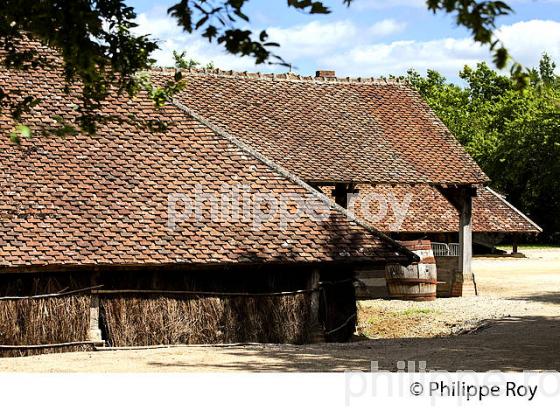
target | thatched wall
x=171, y=305
x=43, y=322
x=154, y=320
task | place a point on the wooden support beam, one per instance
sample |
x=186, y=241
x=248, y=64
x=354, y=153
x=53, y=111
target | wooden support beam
x=341, y=192
x=465, y=236
x=317, y=333
x=461, y=199
x=314, y=279
x=95, y=334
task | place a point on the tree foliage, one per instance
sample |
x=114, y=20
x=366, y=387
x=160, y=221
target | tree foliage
x=99, y=49
x=93, y=38
x=184, y=62
x=514, y=136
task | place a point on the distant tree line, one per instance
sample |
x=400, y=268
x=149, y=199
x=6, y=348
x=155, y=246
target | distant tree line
x=513, y=135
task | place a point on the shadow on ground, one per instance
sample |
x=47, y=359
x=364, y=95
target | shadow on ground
x=512, y=344
x=544, y=297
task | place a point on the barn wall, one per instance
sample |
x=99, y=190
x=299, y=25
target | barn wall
x=59, y=321
x=131, y=319
x=135, y=319
x=159, y=320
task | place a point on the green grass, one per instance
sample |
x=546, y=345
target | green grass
x=396, y=314
x=417, y=311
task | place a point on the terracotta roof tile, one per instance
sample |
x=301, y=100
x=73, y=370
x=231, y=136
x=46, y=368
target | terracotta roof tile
x=427, y=210
x=493, y=213
x=103, y=198
x=332, y=129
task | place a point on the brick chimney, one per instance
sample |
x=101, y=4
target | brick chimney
x=325, y=73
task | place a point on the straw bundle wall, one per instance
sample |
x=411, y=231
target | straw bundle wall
x=153, y=320
x=43, y=321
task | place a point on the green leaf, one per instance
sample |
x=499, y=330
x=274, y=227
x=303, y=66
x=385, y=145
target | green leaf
x=15, y=138
x=501, y=57
x=23, y=130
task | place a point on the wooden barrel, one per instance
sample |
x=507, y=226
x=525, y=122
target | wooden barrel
x=417, y=281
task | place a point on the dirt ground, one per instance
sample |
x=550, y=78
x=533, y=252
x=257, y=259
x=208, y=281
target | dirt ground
x=513, y=325
x=509, y=287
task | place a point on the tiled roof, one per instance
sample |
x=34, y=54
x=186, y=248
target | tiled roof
x=424, y=209
x=103, y=199
x=493, y=213
x=332, y=129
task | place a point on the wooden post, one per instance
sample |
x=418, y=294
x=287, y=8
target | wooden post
x=314, y=279
x=514, y=244
x=465, y=240
x=461, y=198
x=94, y=329
x=465, y=234
x=316, y=332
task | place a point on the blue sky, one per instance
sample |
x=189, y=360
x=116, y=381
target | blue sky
x=371, y=38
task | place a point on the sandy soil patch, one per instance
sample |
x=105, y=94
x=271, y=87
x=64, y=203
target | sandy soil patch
x=382, y=319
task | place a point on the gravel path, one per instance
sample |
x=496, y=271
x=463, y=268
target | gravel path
x=380, y=319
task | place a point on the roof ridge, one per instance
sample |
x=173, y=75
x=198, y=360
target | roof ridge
x=291, y=77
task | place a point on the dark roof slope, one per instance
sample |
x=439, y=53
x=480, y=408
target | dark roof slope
x=332, y=129
x=427, y=210
x=103, y=199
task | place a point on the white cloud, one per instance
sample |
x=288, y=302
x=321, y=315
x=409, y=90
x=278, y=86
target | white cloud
x=171, y=37
x=314, y=38
x=390, y=4
x=352, y=50
x=387, y=27
x=447, y=55
x=157, y=24
x=526, y=42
